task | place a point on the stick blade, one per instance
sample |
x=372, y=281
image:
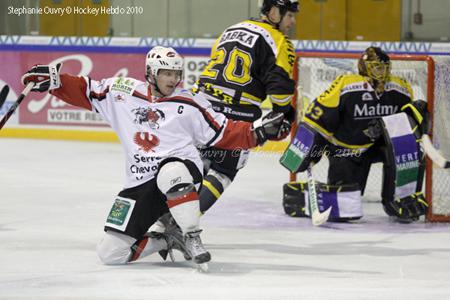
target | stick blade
x=320, y=218
x=433, y=153
x=4, y=94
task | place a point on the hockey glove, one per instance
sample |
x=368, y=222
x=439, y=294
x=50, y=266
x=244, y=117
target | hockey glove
x=374, y=130
x=418, y=110
x=407, y=209
x=271, y=127
x=45, y=77
x=289, y=112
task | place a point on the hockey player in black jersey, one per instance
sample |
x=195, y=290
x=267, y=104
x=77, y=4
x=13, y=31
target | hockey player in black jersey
x=250, y=61
x=359, y=120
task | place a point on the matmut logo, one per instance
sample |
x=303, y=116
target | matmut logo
x=365, y=110
x=146, y=141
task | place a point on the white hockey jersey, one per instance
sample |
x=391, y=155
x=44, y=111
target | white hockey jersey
x=153, y=129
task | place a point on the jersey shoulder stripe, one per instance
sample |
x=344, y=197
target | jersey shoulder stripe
x=99, y=96
x=141, y=96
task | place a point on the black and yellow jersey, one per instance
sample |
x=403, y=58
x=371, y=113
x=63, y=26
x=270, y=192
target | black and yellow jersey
x=249, y=61
x=343, y=111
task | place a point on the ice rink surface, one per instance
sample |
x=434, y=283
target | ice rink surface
x=55, y=197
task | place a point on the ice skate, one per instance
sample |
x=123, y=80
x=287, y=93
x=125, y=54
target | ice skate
x=197, y=251
x=174, y=237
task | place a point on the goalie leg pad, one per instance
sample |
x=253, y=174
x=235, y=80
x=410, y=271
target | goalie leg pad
x=403, y=156
x=294, y=199
x=345, y=200
x=176, y=181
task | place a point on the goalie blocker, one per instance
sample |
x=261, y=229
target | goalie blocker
x=397, y=146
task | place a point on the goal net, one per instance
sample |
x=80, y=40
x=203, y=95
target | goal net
x=430, y=80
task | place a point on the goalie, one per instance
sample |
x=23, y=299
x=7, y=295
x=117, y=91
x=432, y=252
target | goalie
x=359, y=120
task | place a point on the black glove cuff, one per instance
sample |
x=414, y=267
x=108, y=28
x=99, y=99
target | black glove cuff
x=261, y=136
x=289, y=112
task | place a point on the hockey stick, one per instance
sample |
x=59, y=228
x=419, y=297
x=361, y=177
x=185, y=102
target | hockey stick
x=317, y=217
x=4, y=94
x=433, y=153
x=13, y=108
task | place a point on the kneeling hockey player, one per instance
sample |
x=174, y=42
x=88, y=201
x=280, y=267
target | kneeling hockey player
x=359, y=120
x=159, y=128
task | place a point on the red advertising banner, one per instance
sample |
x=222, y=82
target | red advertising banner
x=45, y=109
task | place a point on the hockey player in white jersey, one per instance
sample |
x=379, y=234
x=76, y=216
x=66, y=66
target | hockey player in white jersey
x=159, y=128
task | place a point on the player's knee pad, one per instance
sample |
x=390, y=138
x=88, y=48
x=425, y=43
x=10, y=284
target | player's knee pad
x=115, y=248
x=174, y=178
x=345, y=200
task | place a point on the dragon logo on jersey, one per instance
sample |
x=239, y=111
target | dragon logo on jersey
x=150, y=115
x=146, y=141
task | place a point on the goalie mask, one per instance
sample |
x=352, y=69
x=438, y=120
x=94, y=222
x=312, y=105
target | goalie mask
x=162, y=58
x=283, y=5
x=375, y=64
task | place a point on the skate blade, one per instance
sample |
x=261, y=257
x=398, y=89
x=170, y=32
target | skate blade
x=202, y=268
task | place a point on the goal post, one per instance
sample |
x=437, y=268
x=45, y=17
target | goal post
x=315, y=71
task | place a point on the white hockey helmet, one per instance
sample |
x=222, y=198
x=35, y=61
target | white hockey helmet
x=162, y=58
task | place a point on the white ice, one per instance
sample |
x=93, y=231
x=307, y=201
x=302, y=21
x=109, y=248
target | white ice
x=55, y=196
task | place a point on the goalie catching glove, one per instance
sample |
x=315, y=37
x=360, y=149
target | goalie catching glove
x=272, y=126
x=45, y=77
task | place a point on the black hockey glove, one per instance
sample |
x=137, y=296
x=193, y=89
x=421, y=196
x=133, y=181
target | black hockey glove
x=407, y=209
x=374, y=130
x=418, y=110
x=45, y=77
x=290, y=114
x=272, y=126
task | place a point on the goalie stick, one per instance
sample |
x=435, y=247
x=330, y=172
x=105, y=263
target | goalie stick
x=16, y=104
x=4, y=94
x=433, y=153
x=317, y=217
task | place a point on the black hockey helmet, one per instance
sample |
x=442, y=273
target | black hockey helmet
x=283, y=5
x=375, y=64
